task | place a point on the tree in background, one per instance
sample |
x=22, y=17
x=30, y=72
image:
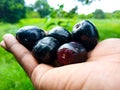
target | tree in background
x=99, y=14
x=31, y=13
x=73, y=11
x=42, y=7
x=60, y=13
x=86, y=1
x=12, y=10
x=116, y=14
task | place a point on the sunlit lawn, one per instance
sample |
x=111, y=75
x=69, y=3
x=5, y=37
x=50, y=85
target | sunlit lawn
x=12, y=76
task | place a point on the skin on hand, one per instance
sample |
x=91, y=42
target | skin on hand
x=100, y=72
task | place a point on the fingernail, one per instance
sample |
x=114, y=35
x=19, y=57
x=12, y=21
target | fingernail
x=2, y=44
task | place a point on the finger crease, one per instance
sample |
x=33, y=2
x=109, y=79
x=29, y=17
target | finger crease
x=12, y=45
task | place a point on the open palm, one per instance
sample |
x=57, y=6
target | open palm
x=100, y=72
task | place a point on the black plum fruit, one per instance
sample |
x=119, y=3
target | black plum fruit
x=29, y=35
x=70, y=53
x=45, y=50
x=61, y=34
x=86, y=33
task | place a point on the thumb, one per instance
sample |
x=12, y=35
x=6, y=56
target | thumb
x=23, y=56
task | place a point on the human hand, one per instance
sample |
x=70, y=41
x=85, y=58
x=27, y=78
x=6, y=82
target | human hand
x=100, y=72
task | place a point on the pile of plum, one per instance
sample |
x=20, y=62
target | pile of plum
x=59, y=46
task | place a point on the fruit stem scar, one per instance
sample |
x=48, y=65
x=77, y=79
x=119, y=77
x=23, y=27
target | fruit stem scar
x=77, y=26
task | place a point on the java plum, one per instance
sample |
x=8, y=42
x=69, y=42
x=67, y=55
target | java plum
x=29, y=35
x=86, y=33
x=45, y=50
x=61, y=34
x=70, y=53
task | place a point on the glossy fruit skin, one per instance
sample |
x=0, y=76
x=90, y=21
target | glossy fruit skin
x=45, y=50
x=61, y=34
x=70, y=53
x=86, y=33
x=29, y=35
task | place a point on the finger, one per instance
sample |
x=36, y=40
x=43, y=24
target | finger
x=108, y=47
x=23, y=56
x=2, y=44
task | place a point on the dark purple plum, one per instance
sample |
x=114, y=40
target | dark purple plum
x=61, y=34
x=86, y=33
x=29, y=35
x=70, y=53
x=45, y=50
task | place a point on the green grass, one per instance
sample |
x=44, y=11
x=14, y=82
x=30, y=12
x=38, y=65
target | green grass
x=108, y=28
x=12, y=76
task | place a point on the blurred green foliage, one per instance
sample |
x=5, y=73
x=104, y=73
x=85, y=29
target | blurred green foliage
x=12, y=10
